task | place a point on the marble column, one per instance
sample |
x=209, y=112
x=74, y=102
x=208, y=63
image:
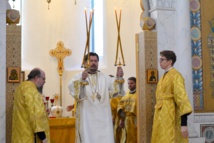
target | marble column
x=173, y=33
x=183, y=52
x=163, y=11
x=2, y=70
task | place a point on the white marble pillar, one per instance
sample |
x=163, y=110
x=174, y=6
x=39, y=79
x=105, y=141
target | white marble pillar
x=163, y=11
x=173, y=33
x=183, y=52
x=2, y=70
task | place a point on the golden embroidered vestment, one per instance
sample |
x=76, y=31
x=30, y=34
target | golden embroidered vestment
x=29, y=115
x=171, y=103
x=128, y=104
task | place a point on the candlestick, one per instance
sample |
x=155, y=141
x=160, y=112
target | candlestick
x=87, y=45
x=119, y=43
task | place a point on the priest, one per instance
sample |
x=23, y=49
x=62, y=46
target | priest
x=127, y=112
x=92, y=91
x=30, y=120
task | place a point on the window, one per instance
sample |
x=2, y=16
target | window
x=97, y=27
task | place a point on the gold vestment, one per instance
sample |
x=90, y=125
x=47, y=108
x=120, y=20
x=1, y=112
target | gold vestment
x=117, y=130
x=128, y=104
x=171, y=103
x=93, y=115
x=29, y=115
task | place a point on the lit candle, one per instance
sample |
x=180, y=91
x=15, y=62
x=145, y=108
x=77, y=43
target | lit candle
x=115, y=10
x=86, y=19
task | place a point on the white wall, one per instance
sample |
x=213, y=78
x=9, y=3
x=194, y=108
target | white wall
x=43, y=28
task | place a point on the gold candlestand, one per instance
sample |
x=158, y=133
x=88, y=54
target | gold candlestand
x=118, y=63
x=119, y=44
x=87, y=44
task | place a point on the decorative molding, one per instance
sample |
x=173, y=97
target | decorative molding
x=196, y=44
x=162, y=4
x=203, y=117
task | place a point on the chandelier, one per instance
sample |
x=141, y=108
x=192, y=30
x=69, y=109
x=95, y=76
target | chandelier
x=49, y=1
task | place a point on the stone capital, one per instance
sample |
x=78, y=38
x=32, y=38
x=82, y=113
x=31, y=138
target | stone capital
x=203, y=117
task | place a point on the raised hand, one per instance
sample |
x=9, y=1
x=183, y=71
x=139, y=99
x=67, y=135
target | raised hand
x=84, y=74
x=119, y=72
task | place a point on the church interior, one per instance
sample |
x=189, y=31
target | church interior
x=186, y=27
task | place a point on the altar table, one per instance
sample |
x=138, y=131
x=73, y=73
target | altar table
x=62, y=130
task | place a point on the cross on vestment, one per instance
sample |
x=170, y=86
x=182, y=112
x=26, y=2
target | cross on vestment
x=60, y=52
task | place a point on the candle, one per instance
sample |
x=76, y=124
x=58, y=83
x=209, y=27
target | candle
x=86, y=19
x=120, y=13
x=115, y=11
x=90, y=18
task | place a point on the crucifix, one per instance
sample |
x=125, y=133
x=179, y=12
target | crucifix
x=60, y=52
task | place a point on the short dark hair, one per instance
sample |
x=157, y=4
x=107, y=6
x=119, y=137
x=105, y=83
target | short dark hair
x=170, y=55
x=132, y=78
x=91, y=54
x=34, y=73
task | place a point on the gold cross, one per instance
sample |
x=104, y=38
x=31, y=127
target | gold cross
x=60, y=52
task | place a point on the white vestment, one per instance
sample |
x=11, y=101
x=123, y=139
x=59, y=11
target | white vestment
x=93, y=117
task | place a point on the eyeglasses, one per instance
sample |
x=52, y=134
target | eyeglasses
x=162, y=59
